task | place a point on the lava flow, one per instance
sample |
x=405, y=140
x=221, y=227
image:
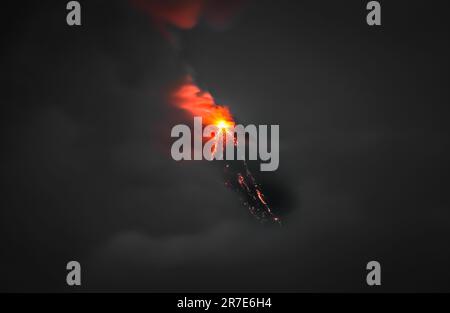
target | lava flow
x=191, y=98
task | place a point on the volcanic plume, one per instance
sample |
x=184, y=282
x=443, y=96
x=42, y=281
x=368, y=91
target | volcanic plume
x=191, y=98
x=185, y=14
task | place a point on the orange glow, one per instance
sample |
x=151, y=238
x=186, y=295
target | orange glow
x=224, y=125
x=180, y=13
x=186, y=14
x=192, y=99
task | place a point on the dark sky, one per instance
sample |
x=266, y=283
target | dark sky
x=364, y=149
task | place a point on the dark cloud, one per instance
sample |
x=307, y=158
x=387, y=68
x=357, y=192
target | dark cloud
x=87, y=175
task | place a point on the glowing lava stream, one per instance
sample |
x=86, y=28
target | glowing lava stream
x=192, y=99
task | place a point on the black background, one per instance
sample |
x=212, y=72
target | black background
x=364, y=149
